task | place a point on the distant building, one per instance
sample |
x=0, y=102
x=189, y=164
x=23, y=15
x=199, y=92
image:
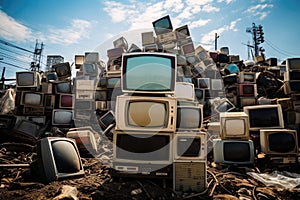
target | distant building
x=52, y=60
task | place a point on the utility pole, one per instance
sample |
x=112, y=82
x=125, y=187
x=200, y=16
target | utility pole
x=258, y=38
x=216, y=41
x=37, y=54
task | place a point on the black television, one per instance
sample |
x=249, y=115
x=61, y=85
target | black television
x=107, y=119
x=57, y=158
x=63, y=70
x=28, y=129
x=162, y=25
x=264, y=116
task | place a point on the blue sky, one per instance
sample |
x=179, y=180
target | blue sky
x=71, y=27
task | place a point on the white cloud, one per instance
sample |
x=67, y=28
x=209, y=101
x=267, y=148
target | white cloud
x=10, y=29
x=118, y=11
x=198, y=2
x=207, y=41
x=227, y=1
x=233, y=24
x=79, y=29
x=209, y=8
x=201, y=22
x=174, y=5
x=260, y=10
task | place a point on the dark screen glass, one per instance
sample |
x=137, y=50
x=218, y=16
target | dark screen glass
x=264, y=117
x=224, y=106
x=25, y=79
x=282, y=142
x=143, y=147
x=295, y=86
x=66, y=101
x=162, y=25
x=63, y=87
x=188, y=147
x=236, y=151
x=248, y=89
x=66, y=157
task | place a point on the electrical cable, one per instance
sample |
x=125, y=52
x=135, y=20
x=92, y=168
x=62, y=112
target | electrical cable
x=13, y=65
x=15, y=46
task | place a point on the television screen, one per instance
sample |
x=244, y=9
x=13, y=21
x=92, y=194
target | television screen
x=113, y=82
x=62, y=87
x=248, y=77
x=49, y=101
x=63, y=70
x=236, y=151
x=149, y=72
x=90, y=69
x=247, y=90
x=32, y=99
x=66, y=101
x=200, y=94
x=189, y=117
x=143, y=147
x=107, y=119
x=100, y=95
x=182, y=32
x=146, y=113
x=279, y=141
x=62, y=117
x=265, y=116
x=203, y=83
x=57, y=158
x=51, y=76
x=28, y=79
x=187, y=49
x=28, y=128
x=224, y=106
x=234, y=125
x=162, y=25
x=189, y=147
x=184, y=90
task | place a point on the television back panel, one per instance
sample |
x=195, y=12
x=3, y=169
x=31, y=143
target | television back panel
x=189, y=176
x=79, y=60
x=115, y=53
x=148, y=38
x=85, y=84
x=101, y=105
x=85, y=94
x=292, y=75
x=216, y=84
x=167, y=37
x=85, y=140
x=47, y=87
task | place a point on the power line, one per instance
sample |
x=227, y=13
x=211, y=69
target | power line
x=275, y=49
x=13, y=65
x=5, y=49
x=15, y=46
x=12, y=58
x=271, y=43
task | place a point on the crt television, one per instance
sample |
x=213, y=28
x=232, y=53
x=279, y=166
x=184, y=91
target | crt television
x=57, y=158
x=62, y=117
x=224, y=105
x=63, y=70
x=182, y=32
x=107, y=119
x=90, y=69
x=247, y=77
x=162, y=25
x=146, y=113
x=28, y=79
x=62, y=87
x=65, y=101
x=264, y=116
x=233, y=151
x=189, y=116
x=85, y=140
x=189, y=146
x=142, y=147
x=292, y=64
x=33, y=99
x=279, y=142
x=247, y=90
x=150, y=73
x=28, y=129
x=234, y=125
x=184, y=90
